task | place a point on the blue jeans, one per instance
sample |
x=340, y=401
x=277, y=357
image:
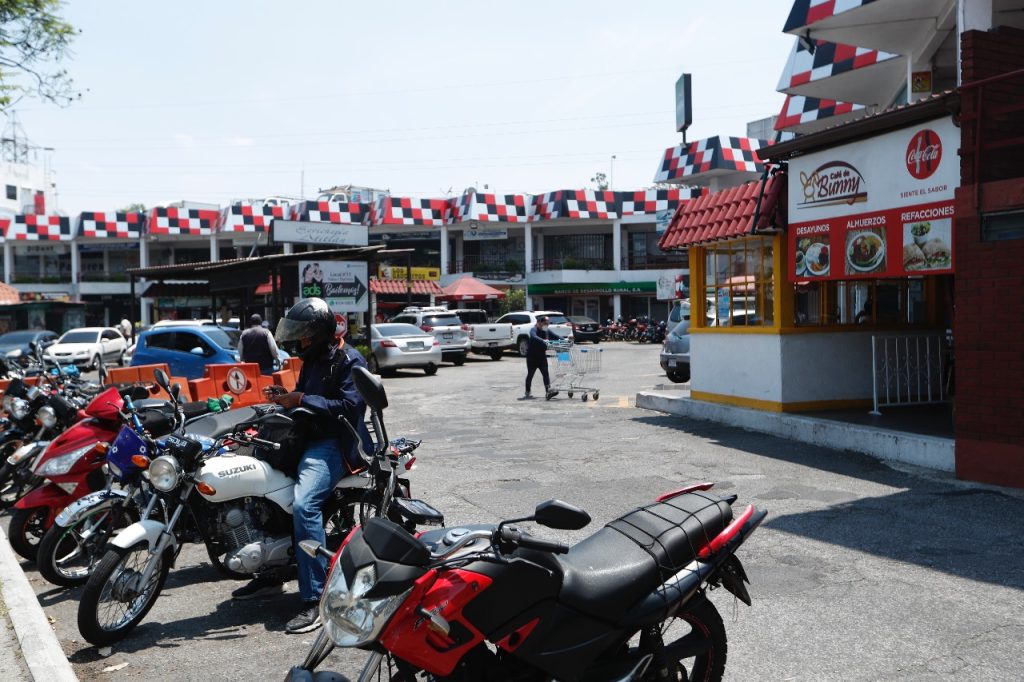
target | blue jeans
x=320, y=469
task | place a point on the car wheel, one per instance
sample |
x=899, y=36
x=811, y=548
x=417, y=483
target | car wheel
x=679, y=376
x=373, y=365
x=95, y=364
x=524, y=346
x=459, y=360
x=430, y=370
x=495, y=355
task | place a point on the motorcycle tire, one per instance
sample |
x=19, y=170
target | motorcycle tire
x=55, y=544
x=107, y=571
x=28, y=526
x=705, y=624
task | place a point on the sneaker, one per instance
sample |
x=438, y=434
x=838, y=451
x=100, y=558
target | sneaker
x=551, y=394
x=526, y=396
x=307, y=620
x=261, y=586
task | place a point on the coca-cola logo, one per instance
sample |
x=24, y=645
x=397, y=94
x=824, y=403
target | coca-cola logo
x=835, y=182
x=924, y=153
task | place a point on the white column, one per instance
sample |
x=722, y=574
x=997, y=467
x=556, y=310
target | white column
x=617, y=245
x=289, y=248
x=616, y=306
x=143, y=263
x=76, y=269
x=214, y=251
x=444, y=250
x=528, y=248
x=8, y=262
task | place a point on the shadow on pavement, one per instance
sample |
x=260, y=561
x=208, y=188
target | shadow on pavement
x=948, y=526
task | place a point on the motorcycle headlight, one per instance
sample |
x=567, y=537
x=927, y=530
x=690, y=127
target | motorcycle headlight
x=58, y=466
x=26, y=451
x=350, y=619
x=19, y=408
x=164, y=473
x=47, y=416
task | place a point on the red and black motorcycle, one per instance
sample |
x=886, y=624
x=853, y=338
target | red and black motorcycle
x=630, y=602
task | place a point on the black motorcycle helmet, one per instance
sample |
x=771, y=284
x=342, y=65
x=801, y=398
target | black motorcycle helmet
x=310, y=318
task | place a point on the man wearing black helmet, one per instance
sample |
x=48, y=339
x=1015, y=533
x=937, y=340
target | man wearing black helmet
x=325, y=387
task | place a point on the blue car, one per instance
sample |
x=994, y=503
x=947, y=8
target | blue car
x=188, y=350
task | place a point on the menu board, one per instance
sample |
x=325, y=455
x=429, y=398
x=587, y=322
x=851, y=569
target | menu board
x=881, y=207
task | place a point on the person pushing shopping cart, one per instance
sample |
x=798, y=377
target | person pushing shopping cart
x=536, y=355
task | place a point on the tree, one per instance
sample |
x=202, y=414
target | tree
x=133, y=208
x=600, y=180
x=33, y=40
x=515, y=299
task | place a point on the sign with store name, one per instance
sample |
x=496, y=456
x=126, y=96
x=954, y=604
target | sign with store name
x=305, y=232
x=881, y=207
x=343, y=284
x=401, y=273
x=477, y=233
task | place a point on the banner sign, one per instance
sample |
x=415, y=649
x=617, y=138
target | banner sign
x=881, y=207
x=482, y=233
x=343, y=284
x=672, y=287
x=305, y=232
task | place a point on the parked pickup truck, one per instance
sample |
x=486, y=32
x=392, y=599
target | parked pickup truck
x=486, y=338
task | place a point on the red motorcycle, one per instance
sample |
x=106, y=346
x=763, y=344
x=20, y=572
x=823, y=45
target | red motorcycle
x=495, y=603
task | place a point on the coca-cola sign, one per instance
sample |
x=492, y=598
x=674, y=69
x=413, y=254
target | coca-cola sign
x=835, y=182
x=924, y=153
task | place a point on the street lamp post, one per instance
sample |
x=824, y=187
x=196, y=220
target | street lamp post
x=611, y=176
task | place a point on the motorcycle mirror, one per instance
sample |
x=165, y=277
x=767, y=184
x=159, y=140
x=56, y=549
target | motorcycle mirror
x=370, y=388
x=176, y=392
x=560, y=515
x=161, y=379
x=309, y=547
x=138, y=393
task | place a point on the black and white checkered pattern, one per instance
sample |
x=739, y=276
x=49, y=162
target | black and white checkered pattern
x=39, y=228
x=650, y=201
x=111, y=225
x=492, y=208
x=828, y=60
x=254, y=217
x=407, y=211
x=806, y=12
x=183, y=221
x=347, y=213
x=713, y=153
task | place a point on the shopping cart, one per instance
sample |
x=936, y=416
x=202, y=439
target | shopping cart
x=573, y=366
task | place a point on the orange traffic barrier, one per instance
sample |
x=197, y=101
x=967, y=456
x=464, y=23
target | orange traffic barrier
x=241, y=382
x=143, y=374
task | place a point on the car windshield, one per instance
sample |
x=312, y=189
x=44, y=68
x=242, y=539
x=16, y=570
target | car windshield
x=473, y=316
x=442, y=320
x=398, y=329
x=556, y=318
x=17, y=337
x=79, y=337
x=225, y=338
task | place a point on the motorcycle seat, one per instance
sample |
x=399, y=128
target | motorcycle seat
x=218, y=424
x=605, y=574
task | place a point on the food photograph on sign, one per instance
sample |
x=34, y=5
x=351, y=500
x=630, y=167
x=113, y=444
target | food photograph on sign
x=926, y=245
x=865, y=251
x=811, y=256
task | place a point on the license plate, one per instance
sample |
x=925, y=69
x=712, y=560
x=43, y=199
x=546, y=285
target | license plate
x=492, y=343
x=447, y=336
x=415, y=346
x=671, y=363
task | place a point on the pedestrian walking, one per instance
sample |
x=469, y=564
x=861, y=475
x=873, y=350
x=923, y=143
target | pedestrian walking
x=536, y=355
x=257, y=345
x=325, y=387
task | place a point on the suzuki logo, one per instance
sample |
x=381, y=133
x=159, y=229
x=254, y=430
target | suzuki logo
x=235, y=471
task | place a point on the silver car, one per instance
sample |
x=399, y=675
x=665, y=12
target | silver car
x=395, y=345
x=446, y=327
x=675, y=354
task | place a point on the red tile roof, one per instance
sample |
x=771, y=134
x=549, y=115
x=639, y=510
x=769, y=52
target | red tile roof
x=724, y=214
x=391, y=286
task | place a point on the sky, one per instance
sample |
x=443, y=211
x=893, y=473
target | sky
x=220, y=100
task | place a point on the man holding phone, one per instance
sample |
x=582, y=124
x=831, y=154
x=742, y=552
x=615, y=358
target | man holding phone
x=325, y=387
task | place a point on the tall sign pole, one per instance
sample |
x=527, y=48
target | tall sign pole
x=684, y=105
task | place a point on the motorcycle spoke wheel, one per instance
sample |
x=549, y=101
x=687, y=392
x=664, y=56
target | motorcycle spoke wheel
x=113, y=602
x=28, y=526
x=696, y=643
x=384, y=668
x=68, y=555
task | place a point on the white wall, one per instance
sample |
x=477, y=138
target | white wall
x=742, y=365
x=600, y=276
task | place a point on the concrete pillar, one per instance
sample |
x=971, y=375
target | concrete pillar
x=214, y=251
x=528, y=248
x=289, y=248
x=76, y=271
x=617, y=245
x=8, y=262
x=144, y=303
x=444, y=250
x=616, y=306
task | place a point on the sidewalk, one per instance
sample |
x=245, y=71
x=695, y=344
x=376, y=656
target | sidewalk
x=29, y=650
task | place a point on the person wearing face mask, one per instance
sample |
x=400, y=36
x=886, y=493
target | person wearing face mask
x=536, y=355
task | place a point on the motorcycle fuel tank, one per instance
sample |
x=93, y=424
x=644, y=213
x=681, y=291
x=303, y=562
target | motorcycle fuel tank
x=234, y=476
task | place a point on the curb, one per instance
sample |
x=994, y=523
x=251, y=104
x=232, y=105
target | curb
x=43, y=654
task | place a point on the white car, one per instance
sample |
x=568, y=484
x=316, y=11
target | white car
x=522, y=320
x=86, y=346
x=446, y=327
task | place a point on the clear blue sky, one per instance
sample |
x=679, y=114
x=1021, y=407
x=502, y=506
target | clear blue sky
x=216, y=100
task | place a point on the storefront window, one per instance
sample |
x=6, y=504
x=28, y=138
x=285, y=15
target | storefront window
x=738, y=283
x=885, y=302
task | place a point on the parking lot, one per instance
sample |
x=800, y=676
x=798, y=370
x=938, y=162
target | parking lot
x=861, y=572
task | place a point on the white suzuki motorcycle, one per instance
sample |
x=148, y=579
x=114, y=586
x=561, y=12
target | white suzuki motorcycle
x=242, y=513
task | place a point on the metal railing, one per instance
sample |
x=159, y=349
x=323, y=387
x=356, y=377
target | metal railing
x=907, y=370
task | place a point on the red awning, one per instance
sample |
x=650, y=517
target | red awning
x=393, y=286
x=470, y=289
x=725, y=214
x=267, y=288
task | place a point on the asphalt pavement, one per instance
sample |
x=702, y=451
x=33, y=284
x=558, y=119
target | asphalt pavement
x=860, y=572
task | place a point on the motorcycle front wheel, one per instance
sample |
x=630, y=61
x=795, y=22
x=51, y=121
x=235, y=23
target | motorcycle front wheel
x=113, y=602
x=28, y=526
x=68, y=554
x=695, y=640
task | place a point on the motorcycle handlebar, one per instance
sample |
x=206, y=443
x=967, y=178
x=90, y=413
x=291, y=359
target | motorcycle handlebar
x=517, y=537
